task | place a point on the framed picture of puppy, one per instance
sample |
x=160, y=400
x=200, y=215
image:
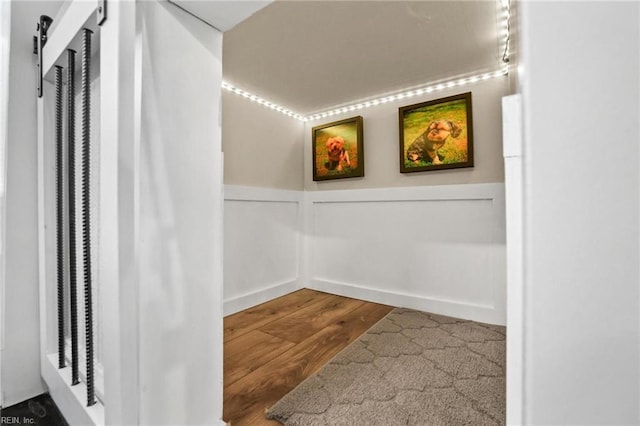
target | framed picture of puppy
x=338, y=150
x=437, y=134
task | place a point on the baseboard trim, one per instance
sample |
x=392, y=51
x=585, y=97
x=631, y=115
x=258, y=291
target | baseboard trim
x=239, y=303
x=458, y=309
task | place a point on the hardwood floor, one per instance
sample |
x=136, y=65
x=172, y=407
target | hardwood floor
x=270, y=348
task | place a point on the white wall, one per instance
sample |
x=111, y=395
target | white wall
x=180, y=219
x=580, y=67
x=20, y=370
x=5, y=37
x=438, y=248
x=262, y=245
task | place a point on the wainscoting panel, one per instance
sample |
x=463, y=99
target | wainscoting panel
x=262, y=245
x=440, y=249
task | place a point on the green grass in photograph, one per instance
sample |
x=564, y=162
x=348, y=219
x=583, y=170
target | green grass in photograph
x=455, y=150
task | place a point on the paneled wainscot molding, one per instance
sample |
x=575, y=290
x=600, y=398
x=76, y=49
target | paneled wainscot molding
x=439, y=248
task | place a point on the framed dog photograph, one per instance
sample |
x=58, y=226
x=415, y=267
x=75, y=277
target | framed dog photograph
x=437, y=134
x=338, y=150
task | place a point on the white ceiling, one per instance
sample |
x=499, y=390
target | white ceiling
x=311, y=55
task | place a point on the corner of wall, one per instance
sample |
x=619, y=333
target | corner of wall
x=268, y=153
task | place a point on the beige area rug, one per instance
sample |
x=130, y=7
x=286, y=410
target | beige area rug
x=411, y=368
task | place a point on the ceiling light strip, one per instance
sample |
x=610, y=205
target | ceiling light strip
x=448, y=84
x=261, y=101
x=411, y=93
x=504, y=28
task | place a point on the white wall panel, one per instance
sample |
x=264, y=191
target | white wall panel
x=439, y=249
x=581, y=233
x=180, y=219
x=20, y=344
x=261, y=245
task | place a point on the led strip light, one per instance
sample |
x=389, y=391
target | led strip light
x=261, y=101
x=503, y=31
x=409, y=94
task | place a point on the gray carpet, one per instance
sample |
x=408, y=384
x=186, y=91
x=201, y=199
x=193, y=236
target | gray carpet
x=411, y=368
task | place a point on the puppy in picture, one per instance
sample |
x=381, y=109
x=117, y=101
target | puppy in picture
x=425, y=147
x=337, y=154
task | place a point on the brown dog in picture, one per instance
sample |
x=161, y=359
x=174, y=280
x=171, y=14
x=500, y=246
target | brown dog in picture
x=426, y=146
x=337, y=154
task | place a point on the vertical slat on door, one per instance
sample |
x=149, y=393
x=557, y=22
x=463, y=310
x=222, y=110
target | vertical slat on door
x=86, y=207
x=59, y=215
x=73, y=253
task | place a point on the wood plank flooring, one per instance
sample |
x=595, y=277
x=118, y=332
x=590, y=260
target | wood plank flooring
x=270, y=348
